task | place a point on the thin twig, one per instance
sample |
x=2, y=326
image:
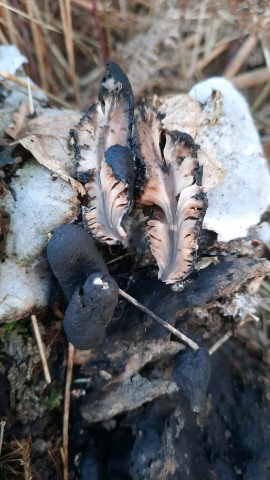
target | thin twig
x=100, y=32
x=230, y=333
x=261, y=97
x=28, y=17
x=30, y=98
x=41, y=349
x=65, y=9
x=2, y=429
x=39, y=45
x=158, y=319
x=252, y=78
x=118, y=258
x=218, y=50
x=66, y=408
x=241, y=57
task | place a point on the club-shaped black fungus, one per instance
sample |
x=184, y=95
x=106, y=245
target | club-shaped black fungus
x=115, y=79
x=85, y=280
x=73, y=256
x=90, y=310
x=191, y=373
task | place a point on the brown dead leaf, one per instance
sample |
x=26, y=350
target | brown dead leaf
x=46, y=137
x=20, y=122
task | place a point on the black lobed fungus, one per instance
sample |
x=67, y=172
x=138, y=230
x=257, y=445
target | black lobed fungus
x=191, y=372
x=85, y=281
x=90, y=310
x=107, y=124
x=173, y=189
x=73, y=256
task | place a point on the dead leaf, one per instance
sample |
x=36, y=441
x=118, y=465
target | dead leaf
x=46, y=137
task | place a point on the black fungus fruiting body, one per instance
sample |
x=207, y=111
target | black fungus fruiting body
x=116, y=82
x=90, y=310
x=191, y=373
x=116, y=74
x=85, y=281
x=121, y=161
x=73, y=256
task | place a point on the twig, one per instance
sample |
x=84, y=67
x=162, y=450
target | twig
x=261, y=97
x=241, y=56
x=30, y=98
x=2, y=429
x=41, y=349
x=229, y=334
x=118, y=258
x=218, y=50
x=162, y=322
x=66, y=16
x=200, y=29
x=28, y=17
x=252, y=78
x=100, y=32
x=39, y=45
x=66, y=408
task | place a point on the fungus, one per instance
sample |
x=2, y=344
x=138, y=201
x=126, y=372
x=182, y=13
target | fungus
x=85, y=281
x=90, y=310
x=173, y=187
x=106, y=125
x=191, y=373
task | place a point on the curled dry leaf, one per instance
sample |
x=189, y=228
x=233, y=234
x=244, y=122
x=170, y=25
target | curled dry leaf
x=173, y=187
x=102, y=144
x=46, y=137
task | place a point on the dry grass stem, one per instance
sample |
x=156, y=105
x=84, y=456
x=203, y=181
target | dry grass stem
x=30, y=98
x=70, y=363
x=26, y=457
x=216, y=52
x=261, y=97
x=41, y=349
x=27, y=17
x=230, y=333
x=256, y=77
x=241, y=57
x=159, y=320
x=65, y=10
x=2, y=429
x=39, y=44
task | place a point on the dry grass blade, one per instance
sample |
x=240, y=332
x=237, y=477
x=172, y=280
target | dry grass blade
x=241, y=57
x=66, y=409
x=65, y=9
x=39, y=45
x=7, y=20
x=41, y=349
x=250, y=79
x=27, y=17
x=159, y=320
x=216, y=52
x=230, y=333
x=2, y=429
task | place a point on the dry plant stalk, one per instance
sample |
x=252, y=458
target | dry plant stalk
x=2, y=429
x=41, y=349
x=159, y=320
x=230, y=333
x=70, y=362
x=241, y=57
